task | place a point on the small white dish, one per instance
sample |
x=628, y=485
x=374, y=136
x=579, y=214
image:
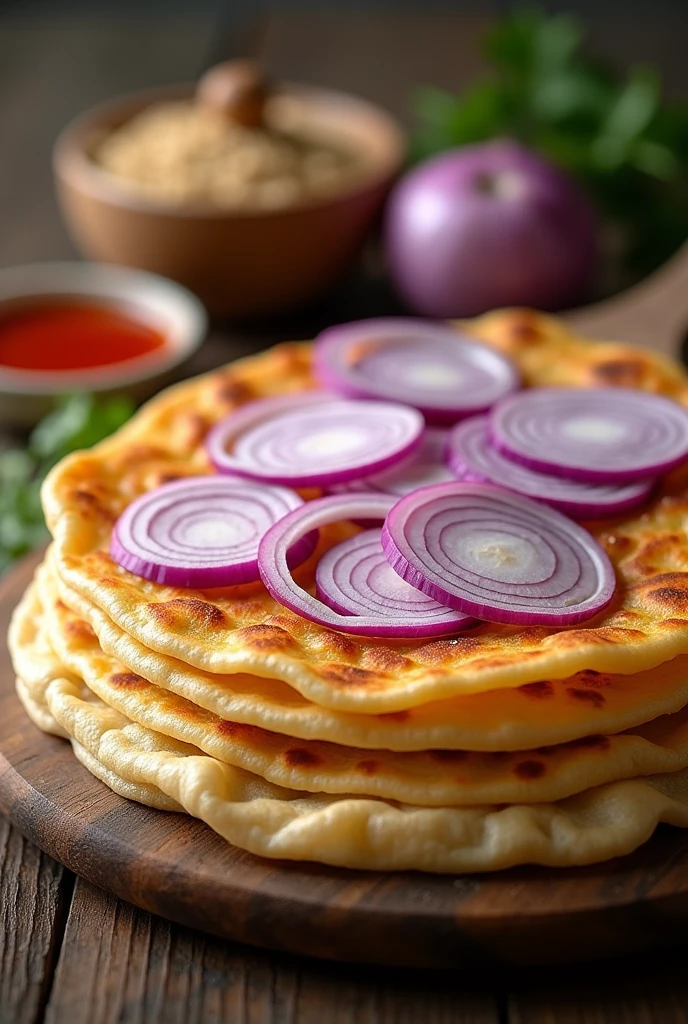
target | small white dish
x=26, y=395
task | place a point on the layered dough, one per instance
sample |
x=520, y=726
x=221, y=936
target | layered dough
x=503, y=745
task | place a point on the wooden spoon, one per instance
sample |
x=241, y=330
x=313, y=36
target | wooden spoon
x=237, y=89
x=653, y=313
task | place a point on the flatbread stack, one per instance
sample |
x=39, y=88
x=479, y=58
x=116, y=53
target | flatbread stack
x=500, y=745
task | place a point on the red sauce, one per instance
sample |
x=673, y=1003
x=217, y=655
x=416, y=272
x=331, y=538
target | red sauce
x=73, y=336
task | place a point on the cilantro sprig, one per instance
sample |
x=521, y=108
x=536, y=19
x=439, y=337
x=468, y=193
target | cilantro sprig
x=78, y=421
x=624, y=142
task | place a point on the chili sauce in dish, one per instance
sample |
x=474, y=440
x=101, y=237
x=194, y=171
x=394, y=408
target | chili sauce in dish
x=73, y=335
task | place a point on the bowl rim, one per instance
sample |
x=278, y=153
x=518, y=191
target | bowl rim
x=185, y=330
x=73, y=166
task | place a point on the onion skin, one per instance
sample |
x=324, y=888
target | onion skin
x=244, y=423
x=443, y=373
x=497, y=555
x=486, y=226
x=474, y=459
x=275, y=574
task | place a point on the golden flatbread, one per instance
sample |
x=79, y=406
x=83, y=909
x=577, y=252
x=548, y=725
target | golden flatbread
x=242, y=630
x=432, y=778
x=536, y=714
x=346, y=831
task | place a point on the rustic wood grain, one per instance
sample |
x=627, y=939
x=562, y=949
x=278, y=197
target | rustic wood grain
x=632, y=993
x=176, y=867
x=120, y=963
x=34, y=894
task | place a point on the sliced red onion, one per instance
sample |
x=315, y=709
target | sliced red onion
x=497, y=555
x=313, y=439
x=383, y=621
x=424, y=467
x=607, y=435
x=355, y=578
x=443, y=373
x=473, y=458
x=203, y=531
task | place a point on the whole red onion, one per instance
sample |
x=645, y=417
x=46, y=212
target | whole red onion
x=488, y=225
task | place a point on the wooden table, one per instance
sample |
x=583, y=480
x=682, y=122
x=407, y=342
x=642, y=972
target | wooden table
x=70, y=953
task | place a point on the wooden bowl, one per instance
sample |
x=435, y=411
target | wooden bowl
x=240, y=261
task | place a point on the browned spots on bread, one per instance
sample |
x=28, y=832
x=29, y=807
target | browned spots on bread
x=530, y=769
x=78, y=629
x=596, y=741
x=492, y=661
x=582, y=743
x=531, y=635
x=192, y=428
x=539, y=690
x=628, y=372
x=618, y=634
x=657, y=554
x=522, y=329
x=128, y=680
x=595, y=680
x=187, y=612
x=578, y=637
x=229, y=391
x=385, y=659
x=109, y=582
x=135, y=454
x=592, y=697
x=291, y=359
x=368, y=766
x=349, y=676
x=440, y=651
x=88, y=502
x=235, y=730
x=337, y=645
x=299, y=757
x=668, y=588
x=264, y=637
x=672, y=597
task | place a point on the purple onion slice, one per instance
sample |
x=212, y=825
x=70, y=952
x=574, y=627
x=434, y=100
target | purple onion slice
x=497, y=556
x=313, y=439
x=424, y=467
x=383, y=621
x=203, y=531
x=355, y=578
x=443, y=373
x=472, y=457
x=605, y=435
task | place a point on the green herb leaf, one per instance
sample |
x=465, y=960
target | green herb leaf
x=626, y=146
x=629, y=116
x=78, y=421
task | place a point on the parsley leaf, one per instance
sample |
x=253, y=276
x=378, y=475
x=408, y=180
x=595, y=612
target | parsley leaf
x=78, y=421
x=626, y=144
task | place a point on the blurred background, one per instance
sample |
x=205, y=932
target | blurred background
x=595, y=92
x=58, y=58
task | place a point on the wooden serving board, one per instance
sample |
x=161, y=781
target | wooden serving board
x=177, y=867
